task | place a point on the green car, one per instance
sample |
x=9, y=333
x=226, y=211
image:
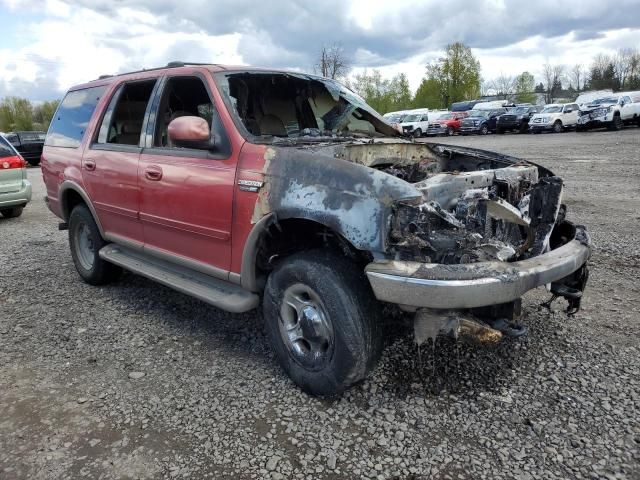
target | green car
x=15, y=189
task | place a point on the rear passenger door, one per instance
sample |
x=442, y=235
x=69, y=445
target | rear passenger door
x=186, y=194
x=110, y=165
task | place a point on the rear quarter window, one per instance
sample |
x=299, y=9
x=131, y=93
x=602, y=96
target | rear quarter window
x=5, y=148
x=72, y=117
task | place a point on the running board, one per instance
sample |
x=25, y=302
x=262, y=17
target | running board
x=219, y=293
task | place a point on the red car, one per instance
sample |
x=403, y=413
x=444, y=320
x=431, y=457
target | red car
x=242, y=186
x=446, y=124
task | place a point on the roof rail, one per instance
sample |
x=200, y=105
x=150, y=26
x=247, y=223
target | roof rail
x=174, y=64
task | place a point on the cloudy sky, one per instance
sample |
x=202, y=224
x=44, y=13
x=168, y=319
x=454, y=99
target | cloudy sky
x=48, y=45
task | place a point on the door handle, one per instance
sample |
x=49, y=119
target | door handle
x=89, y=164
x=153, y=173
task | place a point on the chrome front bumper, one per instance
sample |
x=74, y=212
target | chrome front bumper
x=472, y=285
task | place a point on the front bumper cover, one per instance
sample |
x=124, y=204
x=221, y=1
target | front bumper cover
x=471, y=285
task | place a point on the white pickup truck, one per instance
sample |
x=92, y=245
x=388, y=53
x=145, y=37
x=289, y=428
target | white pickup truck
x=612, y=111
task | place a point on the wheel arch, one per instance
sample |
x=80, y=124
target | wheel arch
x=273, y=236
x=72, y=194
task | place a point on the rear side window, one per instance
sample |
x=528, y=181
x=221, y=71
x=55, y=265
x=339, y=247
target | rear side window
x=72, y=117
x=122, y=122
x=5, y=148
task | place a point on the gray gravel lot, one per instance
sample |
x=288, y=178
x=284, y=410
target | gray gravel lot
x=134, y=380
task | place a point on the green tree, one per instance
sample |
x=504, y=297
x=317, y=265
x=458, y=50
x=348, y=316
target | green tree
x=16, y=114
x=382, y=94
x=457, y=73
x=428, y=94
x=525, y=86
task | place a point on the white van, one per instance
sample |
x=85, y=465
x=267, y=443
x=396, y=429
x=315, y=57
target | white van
x=415, y=122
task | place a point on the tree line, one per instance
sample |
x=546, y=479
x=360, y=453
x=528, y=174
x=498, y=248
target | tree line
x=18, y=114
x=456, y=76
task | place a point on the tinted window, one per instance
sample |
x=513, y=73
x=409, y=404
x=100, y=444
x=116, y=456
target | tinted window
x=122, y=122
x=72, y=117
x=5, y=148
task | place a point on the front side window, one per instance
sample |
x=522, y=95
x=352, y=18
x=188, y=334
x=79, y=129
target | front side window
x=122, y=122
x=182, y=96
x=72, y=117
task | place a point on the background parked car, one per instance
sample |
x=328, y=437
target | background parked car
x=555, y=117
x=481, y=121
x=415, y=123
x=612, y=112
x=517, y=119
x=446, y=124
x=15, y=189
x=28, y=144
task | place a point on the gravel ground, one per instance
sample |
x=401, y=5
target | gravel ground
x=134, y=380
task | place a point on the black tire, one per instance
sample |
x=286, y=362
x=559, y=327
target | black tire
x=617, y=123
x=557, y=127
x=12, y=212
x=484, y=130
x=449, y=132
x=34, y=162
x=93, y=269
x=344, y=297
x=417, y=133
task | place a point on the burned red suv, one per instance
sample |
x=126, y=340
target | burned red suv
x=242, y=186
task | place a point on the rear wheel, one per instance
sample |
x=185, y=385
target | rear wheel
x=557, y=127
x=85, y=242
x=12, y=212
x=323, y=321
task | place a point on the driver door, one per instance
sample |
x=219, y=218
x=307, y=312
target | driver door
x=186, y=194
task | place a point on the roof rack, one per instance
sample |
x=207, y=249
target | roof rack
x=174, y=64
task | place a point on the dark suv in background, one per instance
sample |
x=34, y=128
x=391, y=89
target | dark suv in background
x=481, y=121
x=28, y=144
x=517, y=119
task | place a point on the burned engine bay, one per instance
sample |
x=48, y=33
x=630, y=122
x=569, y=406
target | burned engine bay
x=476, y=206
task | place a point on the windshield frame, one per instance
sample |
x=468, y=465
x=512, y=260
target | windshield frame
x=220, y=79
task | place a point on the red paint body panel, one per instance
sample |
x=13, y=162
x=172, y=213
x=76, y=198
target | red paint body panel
x=114, y=190
x=188, y=211
x=250, y=167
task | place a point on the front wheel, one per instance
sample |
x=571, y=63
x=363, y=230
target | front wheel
x=449, y=132
x=323, y=321
x=417, y=133
x=85, y=242
x=557, y=127
x=616, y=124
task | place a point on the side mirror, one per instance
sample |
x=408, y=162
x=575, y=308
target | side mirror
x=568, y=110
x=190, y=132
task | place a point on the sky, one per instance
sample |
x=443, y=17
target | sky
x=46, y=46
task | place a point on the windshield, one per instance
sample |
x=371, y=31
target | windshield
x=446, y=116
x=520, y=110
x=395, y=118
x=552, y=109
x=291, y=105
x=411, y=118
x=605, y=100
x=479, y=113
